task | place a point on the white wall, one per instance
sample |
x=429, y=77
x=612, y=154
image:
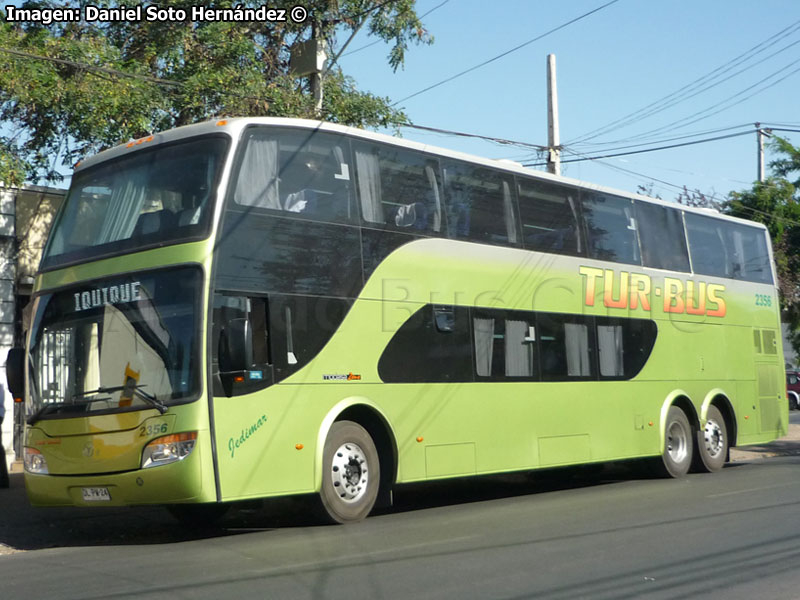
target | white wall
x=7, y=309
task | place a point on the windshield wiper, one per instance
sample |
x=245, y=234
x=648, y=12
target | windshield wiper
x=55, y=406
x=52, y=407
x=47, y=408
x=149, y=399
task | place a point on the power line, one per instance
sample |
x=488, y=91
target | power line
x=710, y=76
x=781, y=124
x=661, y=141
x=474, y=135
x=603, y=163
x=715, y=108
x=714, y=198
x=690, y=96
x=540, y=148
x=506, y=53
x=704, y=141
x=91, y=68
x=672, y=139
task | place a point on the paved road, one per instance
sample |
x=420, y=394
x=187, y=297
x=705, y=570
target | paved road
x=613, y=534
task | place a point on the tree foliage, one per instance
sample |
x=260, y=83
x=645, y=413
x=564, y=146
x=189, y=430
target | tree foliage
x=101, y=83
x=776, y=203
x=695, y=198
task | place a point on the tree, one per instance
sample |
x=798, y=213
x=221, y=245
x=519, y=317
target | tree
x=775, y=203
x=695, y=198
x=70, y=89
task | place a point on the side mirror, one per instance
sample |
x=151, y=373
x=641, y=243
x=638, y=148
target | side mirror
x=236, y=346
x=15, y=372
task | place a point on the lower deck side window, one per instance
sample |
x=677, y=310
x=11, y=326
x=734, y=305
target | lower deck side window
x=458, y=344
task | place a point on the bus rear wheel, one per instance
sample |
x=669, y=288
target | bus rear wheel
x=351, y=473
x=712, y=442
x=676, y=457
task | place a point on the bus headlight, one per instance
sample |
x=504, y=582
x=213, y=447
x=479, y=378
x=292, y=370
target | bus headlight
x=168, y=449
x=35, y=462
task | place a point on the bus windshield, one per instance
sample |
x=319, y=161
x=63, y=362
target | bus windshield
x=125, y=343
x=144, y=199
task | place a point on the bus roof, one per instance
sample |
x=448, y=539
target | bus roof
x=233, y=126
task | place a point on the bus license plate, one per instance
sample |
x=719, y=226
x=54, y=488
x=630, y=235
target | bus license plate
x=96, y=494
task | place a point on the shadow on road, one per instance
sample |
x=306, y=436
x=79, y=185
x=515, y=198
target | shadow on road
x=23, y=527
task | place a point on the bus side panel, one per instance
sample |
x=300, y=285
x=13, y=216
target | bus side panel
x=266, y=442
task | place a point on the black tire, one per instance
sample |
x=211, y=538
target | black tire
x=351, y=473
x=676, y=457
x=712, y=443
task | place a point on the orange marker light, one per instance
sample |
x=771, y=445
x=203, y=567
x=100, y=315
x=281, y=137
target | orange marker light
x=175, y=438
x=222, y=122
x=650, y=423
x=420, y=438
x=238, y=378
x=299, y=446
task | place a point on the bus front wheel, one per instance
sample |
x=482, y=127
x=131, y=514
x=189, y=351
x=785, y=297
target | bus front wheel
x=712, y=442
x=676, y=457
x=351, y=473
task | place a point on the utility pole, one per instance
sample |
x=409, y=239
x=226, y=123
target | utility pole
x=316, y=75
x=553, y=141
x=760, y=134
x=308, y=59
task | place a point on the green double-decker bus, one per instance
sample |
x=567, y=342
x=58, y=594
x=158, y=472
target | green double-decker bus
x=251, y=308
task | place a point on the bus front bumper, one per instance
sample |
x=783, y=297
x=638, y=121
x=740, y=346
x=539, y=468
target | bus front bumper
x=178, y=482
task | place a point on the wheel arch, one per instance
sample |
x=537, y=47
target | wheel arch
x=719, y=399
x=680, y=399
x=363, y=411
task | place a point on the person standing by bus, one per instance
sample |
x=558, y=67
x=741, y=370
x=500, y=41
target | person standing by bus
x=3, y=466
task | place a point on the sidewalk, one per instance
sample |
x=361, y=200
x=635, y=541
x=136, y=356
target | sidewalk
x=785, y=446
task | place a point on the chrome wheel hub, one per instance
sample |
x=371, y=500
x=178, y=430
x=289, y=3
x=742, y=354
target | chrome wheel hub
x=349, y=472
x=677, y=442
x=714, y=438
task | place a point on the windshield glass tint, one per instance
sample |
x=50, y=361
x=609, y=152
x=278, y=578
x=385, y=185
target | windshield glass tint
x=143, y=199
x=95, y=347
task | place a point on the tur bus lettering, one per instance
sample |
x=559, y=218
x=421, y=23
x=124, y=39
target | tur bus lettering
x=634, y=291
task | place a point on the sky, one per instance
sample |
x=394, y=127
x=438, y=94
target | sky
x=634, y=72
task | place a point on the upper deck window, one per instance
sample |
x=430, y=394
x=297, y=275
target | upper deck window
x=302, y=173
x=662, y=237
x=480, y=204
x=549, y=217
x=611, y=228
x=727, y=249
x=398, y=189
x=143, y=199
